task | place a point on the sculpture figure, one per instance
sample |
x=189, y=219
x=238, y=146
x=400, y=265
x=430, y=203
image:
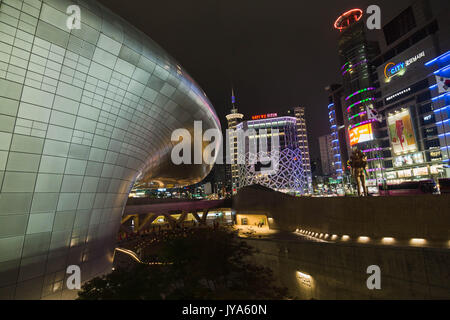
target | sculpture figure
x=358, y=164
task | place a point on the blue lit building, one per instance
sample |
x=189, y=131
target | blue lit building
x=356, y=49
x=394, y=99
x=412, y=98
x=440, y=93
x=339, y=149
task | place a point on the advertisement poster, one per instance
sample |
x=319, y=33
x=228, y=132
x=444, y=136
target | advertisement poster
x=443, y=84
x=401, y=132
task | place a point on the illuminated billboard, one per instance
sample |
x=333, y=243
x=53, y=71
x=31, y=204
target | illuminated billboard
x=401, y=132
x=265, y=116
x=391, y=69
x=361, y=134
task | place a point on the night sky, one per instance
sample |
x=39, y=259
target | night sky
x=278, y=54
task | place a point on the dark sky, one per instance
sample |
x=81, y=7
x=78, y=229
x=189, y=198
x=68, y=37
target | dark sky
x=277, y=53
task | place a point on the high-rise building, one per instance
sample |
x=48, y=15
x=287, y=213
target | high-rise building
x=289, y=174
x=358, y=89
x=234, y=118
x=327, y=154
x=302, y=138
x=339, y=146
x=396, y=92
x=413, y=69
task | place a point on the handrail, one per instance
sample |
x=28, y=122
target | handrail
x=135, y=257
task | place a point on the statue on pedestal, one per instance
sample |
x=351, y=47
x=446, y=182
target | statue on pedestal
x=358, y=164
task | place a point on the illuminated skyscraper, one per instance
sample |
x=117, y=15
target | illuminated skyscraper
x=355, y=52
x=336, y=114
x=302, y=140
x=413, y=98
x=234, y=118
x=394, y=99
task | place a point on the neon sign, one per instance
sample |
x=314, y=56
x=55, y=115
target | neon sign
x=358, y=92
x=265, y=116
x=359, y=102
x=391, y=69
x=346, y=19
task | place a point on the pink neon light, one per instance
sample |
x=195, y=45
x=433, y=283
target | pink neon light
x=361, y=123
x=372, y=150
x=359, y=63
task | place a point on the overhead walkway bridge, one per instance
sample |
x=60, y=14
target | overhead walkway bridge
x=144, y=211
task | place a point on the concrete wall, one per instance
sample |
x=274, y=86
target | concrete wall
x=338, y=271
x=403, y=218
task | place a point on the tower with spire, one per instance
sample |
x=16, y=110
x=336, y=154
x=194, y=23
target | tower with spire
x=234, y=118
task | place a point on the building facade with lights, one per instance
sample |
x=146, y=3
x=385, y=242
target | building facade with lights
x=394, y=98
x=358, y=90
x=338, y=148
x=287, y=171
x=412, y=69
x=302, y=138
x=233, y=119
x=84, y=114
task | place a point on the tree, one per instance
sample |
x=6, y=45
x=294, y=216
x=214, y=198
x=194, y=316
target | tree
x=201, y=264
x=140, y=282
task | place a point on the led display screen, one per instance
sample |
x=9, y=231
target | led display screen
x=361, y=134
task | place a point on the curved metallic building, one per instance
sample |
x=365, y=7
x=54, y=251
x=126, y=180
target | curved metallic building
x=83, y=114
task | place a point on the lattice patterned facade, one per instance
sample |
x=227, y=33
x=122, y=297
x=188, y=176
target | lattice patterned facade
x=288, y=176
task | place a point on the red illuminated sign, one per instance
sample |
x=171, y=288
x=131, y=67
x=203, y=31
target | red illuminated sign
x=346, y=19
x=265, y=116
